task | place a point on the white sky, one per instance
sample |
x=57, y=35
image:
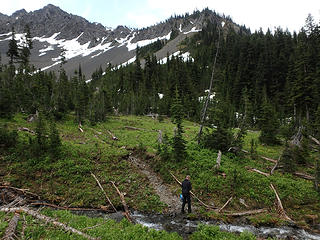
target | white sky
x=254, y=14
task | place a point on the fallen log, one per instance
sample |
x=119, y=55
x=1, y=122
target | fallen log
x=11, y=229
x=126, y=209
x=202, y=203
x=263, y=157
x=315, y=140
x=269, y=159
x=257, y=171
x=229, y=200
x=64, y=208
x=304, y=176
x=134, y=128
x=47, y=220
x=105, y=194
x=280, y=209
x=24, y=129
x=113, y=137
x=24, y=191
x=251, y=212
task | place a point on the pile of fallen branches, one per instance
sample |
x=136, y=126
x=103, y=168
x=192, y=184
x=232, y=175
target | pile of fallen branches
x=18, y=201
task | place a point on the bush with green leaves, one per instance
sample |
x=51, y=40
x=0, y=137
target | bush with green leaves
x=8, y=138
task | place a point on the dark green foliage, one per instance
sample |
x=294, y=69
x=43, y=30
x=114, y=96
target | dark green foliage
x=8, y=138
x=288, y=160
x=317, y=175
x=178, y=143
x=269, y=125
x=219, y=139
x=12, y=52
x=54, y=140
x=253, y=149
x=41, y=141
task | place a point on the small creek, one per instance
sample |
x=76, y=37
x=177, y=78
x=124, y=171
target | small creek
x=184, y=227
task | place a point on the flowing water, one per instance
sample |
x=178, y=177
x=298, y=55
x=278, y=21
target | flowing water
x=184, y=227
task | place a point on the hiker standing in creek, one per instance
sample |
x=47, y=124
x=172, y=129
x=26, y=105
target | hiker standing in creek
x=186, y=188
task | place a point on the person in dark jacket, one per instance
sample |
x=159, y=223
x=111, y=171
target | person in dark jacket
x=186, y=188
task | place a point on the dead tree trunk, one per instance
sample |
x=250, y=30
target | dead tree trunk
x=204, y=111
x=229, y=200
x=160, y=138
x=217, y=166
x=105, y=194
x=113, y=137
x=11, y=229
x=275, y=166
x=47, y=220
x=280, y=209
x=239, y=214
x=126, y=209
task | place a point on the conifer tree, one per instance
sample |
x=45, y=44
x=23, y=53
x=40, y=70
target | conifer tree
x=268, y=123
x=12, y=52
x=178, y=143
x=54, y=140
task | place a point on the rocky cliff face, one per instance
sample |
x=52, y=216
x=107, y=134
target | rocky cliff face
x=92, y=44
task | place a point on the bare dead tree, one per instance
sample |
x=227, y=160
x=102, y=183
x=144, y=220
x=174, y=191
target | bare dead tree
x=204, y=110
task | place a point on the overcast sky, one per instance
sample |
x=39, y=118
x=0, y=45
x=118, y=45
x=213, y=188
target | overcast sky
x=254, y=14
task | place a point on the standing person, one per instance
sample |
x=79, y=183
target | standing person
x=186, y=188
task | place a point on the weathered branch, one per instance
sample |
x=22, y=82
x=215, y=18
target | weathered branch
x=113, y=137
x=24, y=191
x=239, y=214
x=315, y=140
x=63, y=208
x=275, y=166
x=229, y=200
x=269, y=159
x=105, y=194
x=304, y=176
x=281, y=210
x=134, y=128
x=258, y=171
x=126, y=209
x=11, y=229
x=205, y=205
x=47, y=220
x=24, y=129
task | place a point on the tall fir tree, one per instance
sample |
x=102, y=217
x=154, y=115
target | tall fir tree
x=178, y=143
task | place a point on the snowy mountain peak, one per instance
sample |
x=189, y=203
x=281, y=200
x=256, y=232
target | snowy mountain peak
x=57, y=32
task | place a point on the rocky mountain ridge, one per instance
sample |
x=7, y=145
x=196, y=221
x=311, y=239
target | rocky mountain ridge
x=92, y=44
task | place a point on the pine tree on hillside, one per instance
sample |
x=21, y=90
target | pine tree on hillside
x=25, y=50
x=178, y=143
x=268, y=123
x=12, y=52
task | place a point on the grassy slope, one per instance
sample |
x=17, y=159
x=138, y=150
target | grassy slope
x=67, y=181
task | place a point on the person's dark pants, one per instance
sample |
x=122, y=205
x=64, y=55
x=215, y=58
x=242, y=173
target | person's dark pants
x=186, y=199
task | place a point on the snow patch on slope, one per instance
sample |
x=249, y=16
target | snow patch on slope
x=192, y=30
x=133, y=46
x=185, y=56
x=72, y=47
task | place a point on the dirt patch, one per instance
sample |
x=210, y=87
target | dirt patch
x=163, y=191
